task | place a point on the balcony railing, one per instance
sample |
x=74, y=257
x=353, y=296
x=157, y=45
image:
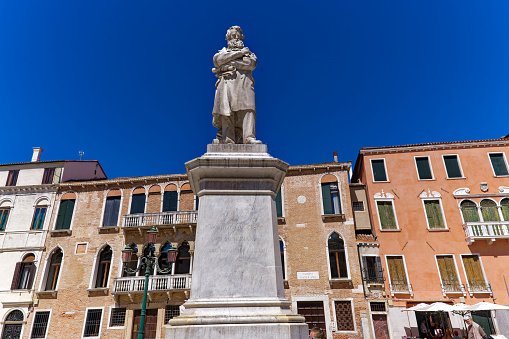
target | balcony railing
x=451, y=288
x=479, y=287
x=401, y=289
x=156, y=283
x=488, y=230
x=370, y=275
x=159, y=219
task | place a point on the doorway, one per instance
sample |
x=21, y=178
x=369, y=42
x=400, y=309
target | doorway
x=380, y=326
x=150, y=323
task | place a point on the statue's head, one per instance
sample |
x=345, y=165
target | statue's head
x=234, y=37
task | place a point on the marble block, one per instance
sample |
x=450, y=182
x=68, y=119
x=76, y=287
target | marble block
x=237, y=287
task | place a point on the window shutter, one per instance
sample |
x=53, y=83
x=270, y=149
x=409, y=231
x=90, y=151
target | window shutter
x=170, y=200
x=452, y=167
x=489, y=211
x=434, y=214
x=326, y=198
x=61, y=214
x=378, y=167
x=31, y=276
x=111, y=211
x=279, y=205
x=68, y=214
x=16, y=276
x=469, y=211
x=505, y=209
x=386, y=213
x=423, y=168
x=138, y=203
x=497, y=160
x=379, y=271
x=365, y=268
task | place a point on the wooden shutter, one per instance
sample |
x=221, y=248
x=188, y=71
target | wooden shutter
x=326, y=198
x=138, y=203
x=365, y=268
x=279, y=205
x=473, y=270
x=423, y=168
x=379, y=271
x=434, y=214
x=386, y=213
x=31, y=276
x=170, y=201
x=378, y=167
x=469, y=211
x=69, y=208
x=452, y=167
x=505, y=209
x=111, y=211
x=61, y=214
x=447, y=270
x=498, y=162
x=56, y=176
x=397, y=270
x=489, y=211
x=16, y=276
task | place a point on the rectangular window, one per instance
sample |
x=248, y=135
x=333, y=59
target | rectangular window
x=434, y=214
x=279, y=205
x=111, y=211
x=117, y=317
x=372, y=269
x=378, y=167
x=313, y=312
x=344, y=316
x=448, y=273
x=386, y=215
x=397, y=273
x=38, y=221
x=93, y=323
x=138, y=203
x=40, y=324
x=377, y=306
x=474, y=273
x=65, y=212
x=4, y=215
x=330, y=198
x=170, y=312
x=170, y=201
x=452, y=166
x=12, y=178
x=498, y=163
x=358, y=206
x=423, y=168
x=47, y=178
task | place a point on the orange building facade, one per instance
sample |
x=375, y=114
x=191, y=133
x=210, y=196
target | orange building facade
x=441, y=215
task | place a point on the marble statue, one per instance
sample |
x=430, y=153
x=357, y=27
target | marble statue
x=234, y=111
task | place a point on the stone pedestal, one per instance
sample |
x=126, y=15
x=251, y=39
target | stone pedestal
x=237, y=283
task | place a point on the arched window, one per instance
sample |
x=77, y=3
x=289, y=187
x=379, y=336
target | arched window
x=163, y=257
x=13, y=325
x=138, y=201
x=65, y=211
x=489, y=210
x=5, y=209
x=53, y=270
x=469, y=211
x=330, y=195
x=133, y=264
x=24, y=273
x=505, y=208
x=103, y=267
x=337, y=257
x=183, y=263
x=170, y=198
x=112, y=208
x=39, y=215
x=282, y=252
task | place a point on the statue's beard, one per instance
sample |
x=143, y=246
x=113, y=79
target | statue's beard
x=235, y=44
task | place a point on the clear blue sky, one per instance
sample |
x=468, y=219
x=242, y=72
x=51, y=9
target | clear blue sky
x=130, y=82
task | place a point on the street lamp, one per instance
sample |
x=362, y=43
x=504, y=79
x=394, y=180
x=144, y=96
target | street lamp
x=148, y=262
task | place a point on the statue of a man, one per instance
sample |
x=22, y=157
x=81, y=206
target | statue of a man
x=234, y=112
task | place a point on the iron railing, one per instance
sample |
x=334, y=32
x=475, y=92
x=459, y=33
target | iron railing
x=371, y=276
x=452, y=287
x=401, y=288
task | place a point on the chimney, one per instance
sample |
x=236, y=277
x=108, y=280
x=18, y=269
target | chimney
x=335, y=156
x=37, y=154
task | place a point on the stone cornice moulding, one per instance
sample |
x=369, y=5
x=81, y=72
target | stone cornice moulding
x=503, y=189
x=383, y=195
x=464, y=191
x=31, y=188
x=429, y=194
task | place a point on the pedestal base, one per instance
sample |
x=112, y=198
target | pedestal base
x=239, y=331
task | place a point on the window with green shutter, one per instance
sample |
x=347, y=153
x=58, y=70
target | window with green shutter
x=65, y=212
x=489, y=210
x=505, y=209
x=378, y=167
x=474, y=272
x=170, y=201
x=452, y=166
x=330, y=198
x=434, y=214
x=111, y=211
x=448, y=273
x=386, y=214
x=498, y=163
x=469, y=211
x=138, y=203
x=279, y=205
x=423, y=168
x=397, y=273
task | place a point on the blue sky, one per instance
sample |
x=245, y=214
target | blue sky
x=130, y=82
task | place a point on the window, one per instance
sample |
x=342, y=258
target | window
x=475, y=275
x=337, y=257
x=47, y=178
x=499, y=164
x=279, y=204
x=282, y=252
x=138, y=201
x=93, y=323
x=40, y=324
x=103, y=268
x=4, y=215
x=330, y=195
x=378, y=167
x=183, y=261
x=163, y=257
x=13, y=325
x=469, y=211
x=397, y=273
x=53, y=270
x=448, y=274
x=504, y=204
x=434, y=214
x=377, y=306
x=117, y=317
x=65, y=211
x=12, y=178
x=423, y=168
x=344, y=316
x=170, y=199
x=372, y=269
x=313, y=312
x=112, y=208
x=170, y=312
x=452, y=166
x=133, y=264
x=24, y=273
x=489, y=210
x=358, y=206
x=386, y=215
x=38, y=220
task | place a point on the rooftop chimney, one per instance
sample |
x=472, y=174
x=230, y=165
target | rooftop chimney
x=37, y=154
x=335, y=156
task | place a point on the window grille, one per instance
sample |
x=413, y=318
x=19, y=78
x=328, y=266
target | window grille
x=170, y=312
x=358, y=206
x=117, y=317
x=344, y=317
x=313, y=312
x=93, y=323
x=40, y=324
x=15, y=315
x=377, y=306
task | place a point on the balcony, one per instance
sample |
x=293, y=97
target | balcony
x=479, y=287
x=159, y=219
x=401, y=289
x=488, y=230
x=453, y=288
x=156, y=283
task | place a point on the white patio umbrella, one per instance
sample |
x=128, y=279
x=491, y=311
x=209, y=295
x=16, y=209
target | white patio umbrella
x=416, y=307
x=460, y=307
x=437, y=307
x=485, y=306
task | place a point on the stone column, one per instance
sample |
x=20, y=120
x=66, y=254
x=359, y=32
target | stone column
x=237, y=285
